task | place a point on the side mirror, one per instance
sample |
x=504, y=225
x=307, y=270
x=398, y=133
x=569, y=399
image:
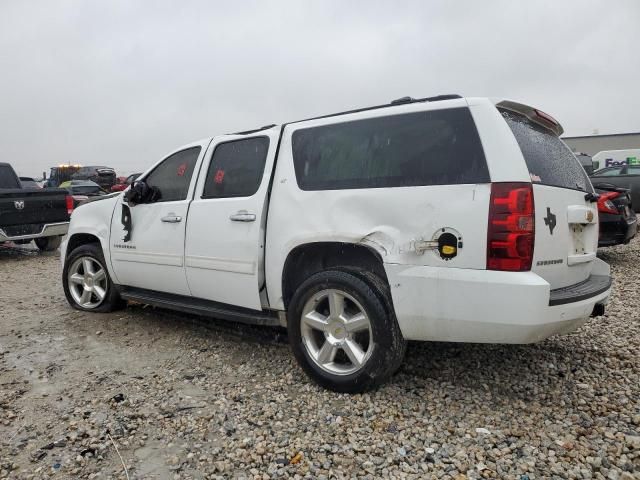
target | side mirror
x=141, y=192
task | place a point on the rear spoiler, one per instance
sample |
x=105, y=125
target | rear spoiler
x=536, y=116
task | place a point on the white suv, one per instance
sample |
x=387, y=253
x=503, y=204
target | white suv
x=445, y=218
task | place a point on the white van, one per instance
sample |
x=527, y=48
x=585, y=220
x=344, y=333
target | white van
x=616, y=158
x=445, y=218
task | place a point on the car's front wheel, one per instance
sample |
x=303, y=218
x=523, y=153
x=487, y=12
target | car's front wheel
x=342, y=331
x=86, y=281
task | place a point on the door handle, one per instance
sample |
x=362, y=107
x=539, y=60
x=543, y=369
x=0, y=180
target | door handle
x=171, y=218
x=243, y=216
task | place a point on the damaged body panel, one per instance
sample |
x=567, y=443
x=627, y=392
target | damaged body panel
x=434, y=219
x=392, y=221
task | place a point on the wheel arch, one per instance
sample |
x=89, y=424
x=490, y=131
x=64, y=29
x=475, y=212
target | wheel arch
x=306, y=259
x=78, y=239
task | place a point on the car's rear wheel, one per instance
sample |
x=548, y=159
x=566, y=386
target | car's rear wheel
x=86, y=281
x=342, y=332
x=48, y=244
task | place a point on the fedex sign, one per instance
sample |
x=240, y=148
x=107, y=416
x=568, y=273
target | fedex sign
x=610, y=162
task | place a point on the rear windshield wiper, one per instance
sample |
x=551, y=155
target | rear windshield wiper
x=591, y=197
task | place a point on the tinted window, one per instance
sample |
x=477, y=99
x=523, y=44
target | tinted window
x=236, y=168
x=633, y=170
x=173, y=175
x=427, y=148
x=8, y=178
x=549, y=160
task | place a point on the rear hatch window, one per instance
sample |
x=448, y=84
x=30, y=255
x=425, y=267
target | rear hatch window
x=549, y=160
x=566, y=225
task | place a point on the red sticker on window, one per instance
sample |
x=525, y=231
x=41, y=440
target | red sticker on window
x=219, y=176
x=181, y=169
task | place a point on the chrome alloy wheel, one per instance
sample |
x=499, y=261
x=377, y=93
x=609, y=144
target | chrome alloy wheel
x=87, y=282
x=336, y=332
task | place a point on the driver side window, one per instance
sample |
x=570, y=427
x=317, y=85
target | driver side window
x=173, y=176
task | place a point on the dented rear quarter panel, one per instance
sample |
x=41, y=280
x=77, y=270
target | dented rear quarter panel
x=388, y=220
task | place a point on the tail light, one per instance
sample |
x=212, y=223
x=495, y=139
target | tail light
x=511, y=232
x=605, y=205
x=69, y=204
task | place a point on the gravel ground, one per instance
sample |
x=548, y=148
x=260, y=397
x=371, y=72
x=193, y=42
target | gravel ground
x=186, y=398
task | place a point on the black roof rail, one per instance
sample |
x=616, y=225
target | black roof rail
x=438, y=98
x=399, y=101
x=247, y=132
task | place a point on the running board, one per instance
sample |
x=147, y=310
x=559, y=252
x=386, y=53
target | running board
x=198, y=306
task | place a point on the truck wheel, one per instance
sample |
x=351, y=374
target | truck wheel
x=86, y=281
x=341, y=333
x=48, y=244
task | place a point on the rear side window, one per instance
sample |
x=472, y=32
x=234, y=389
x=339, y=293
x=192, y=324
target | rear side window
x=8, y=178
x=236, y=168
x=173, y=175
x=437, y=147
x=549, y=160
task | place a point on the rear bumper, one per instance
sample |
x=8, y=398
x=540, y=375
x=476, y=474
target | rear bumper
x=482, y=306
x=591, y=287
x=48, y=230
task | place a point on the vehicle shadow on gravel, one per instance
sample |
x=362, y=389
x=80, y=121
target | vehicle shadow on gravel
x=159, y=317
x=10, y=251
x=537, y=372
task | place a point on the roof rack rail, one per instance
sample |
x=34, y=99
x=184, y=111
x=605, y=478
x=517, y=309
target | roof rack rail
x=399, y=101
x=437, y=98
x=247, y=132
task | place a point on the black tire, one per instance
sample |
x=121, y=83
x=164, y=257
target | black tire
x=388, y=343
x=112, y=300
x=48, y=244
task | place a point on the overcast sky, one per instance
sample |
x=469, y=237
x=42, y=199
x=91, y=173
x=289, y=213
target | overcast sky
x=122, y=83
